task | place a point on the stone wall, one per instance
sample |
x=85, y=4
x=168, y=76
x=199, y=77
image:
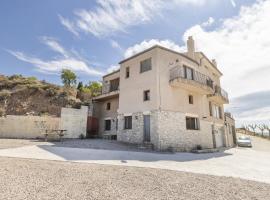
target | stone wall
x=74, y=121
x=230, y=131
x=173, y=134
x=26, y=127
x=134, y=135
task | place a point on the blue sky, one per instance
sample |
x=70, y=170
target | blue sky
x=39, y=38
x=25, y=23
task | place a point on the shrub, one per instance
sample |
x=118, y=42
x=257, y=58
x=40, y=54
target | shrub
x=198, y=147
x=32, y=78
x=51, y=92
x=82, y=136
x=15, y=76
x=2, y=112
x=4, y=94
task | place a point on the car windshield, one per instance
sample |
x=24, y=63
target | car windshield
x=244, y=138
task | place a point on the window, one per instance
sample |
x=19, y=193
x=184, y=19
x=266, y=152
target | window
x=189, y=73
x=128, y=122
x=146, y=95
x=220, y=112
x=146, y=65
x=107, y=125
x=216, y=111
x=210, y=109
x=108, y=106
x=127, y=72
x=190, y=99
x=192, y=123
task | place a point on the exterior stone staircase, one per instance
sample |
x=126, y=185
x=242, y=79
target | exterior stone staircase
x=146, y=145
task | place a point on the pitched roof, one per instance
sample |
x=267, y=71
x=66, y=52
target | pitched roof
x=161, y=47
x=215, y=67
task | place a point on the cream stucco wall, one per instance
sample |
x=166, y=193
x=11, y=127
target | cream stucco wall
x=26, y=127
x=168, y=105
x=131, y=89
x=102, y=114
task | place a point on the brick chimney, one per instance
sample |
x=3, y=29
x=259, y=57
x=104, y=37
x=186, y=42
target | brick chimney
x=190, y=47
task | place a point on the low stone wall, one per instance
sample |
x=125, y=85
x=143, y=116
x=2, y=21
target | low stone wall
x=26, y=127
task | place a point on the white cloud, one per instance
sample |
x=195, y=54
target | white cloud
x=209, y=22
x=112, y=16
x=69, y=25
x=68, y=60
x=233, y=3
x=54, y=45
x=241, y=46
x=149, y=43
x=116, y=45
x=113, y=68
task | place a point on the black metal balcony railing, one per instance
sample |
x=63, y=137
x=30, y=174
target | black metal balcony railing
x=180, y=72
x=107, y=88
x=221, y=92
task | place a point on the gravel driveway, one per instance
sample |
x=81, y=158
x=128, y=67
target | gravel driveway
x=41, y=179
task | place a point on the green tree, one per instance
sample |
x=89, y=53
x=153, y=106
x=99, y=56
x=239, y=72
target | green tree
x=68, y=77
x=80, y=86
x=95, y=88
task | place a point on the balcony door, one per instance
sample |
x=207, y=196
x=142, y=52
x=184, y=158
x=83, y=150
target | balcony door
x=114, y=84
x=189, y=73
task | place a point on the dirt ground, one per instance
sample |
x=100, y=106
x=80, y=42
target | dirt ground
x=41, y=179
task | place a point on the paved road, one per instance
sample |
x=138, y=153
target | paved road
x=259, y=144
x=237, y=162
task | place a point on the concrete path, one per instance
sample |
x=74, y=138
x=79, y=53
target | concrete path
x=242, y=163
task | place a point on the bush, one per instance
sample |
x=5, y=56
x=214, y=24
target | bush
x=198, y=147
x=82, y=136
x=4, y=94
x=2, y=112
x=32, y=78
x=51, y=92
x=15, y=76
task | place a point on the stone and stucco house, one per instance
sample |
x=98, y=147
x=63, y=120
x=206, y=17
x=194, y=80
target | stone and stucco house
x=165, y=98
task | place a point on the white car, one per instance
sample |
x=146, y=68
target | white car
x=244, y=141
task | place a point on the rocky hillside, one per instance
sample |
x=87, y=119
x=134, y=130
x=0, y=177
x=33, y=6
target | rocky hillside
x=29, y=96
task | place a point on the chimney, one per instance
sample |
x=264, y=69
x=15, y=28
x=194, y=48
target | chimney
x=214, y=62
x=191, y=47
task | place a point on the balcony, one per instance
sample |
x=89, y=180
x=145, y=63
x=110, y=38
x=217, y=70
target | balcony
x=219, y=96
x=108, y=87
x=109, y=90
x=189, y=79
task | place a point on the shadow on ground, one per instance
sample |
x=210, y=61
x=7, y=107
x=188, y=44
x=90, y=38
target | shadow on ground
x=74, y=154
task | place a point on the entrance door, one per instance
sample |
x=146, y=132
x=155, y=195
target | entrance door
x=220, y=138
x=146, y=128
